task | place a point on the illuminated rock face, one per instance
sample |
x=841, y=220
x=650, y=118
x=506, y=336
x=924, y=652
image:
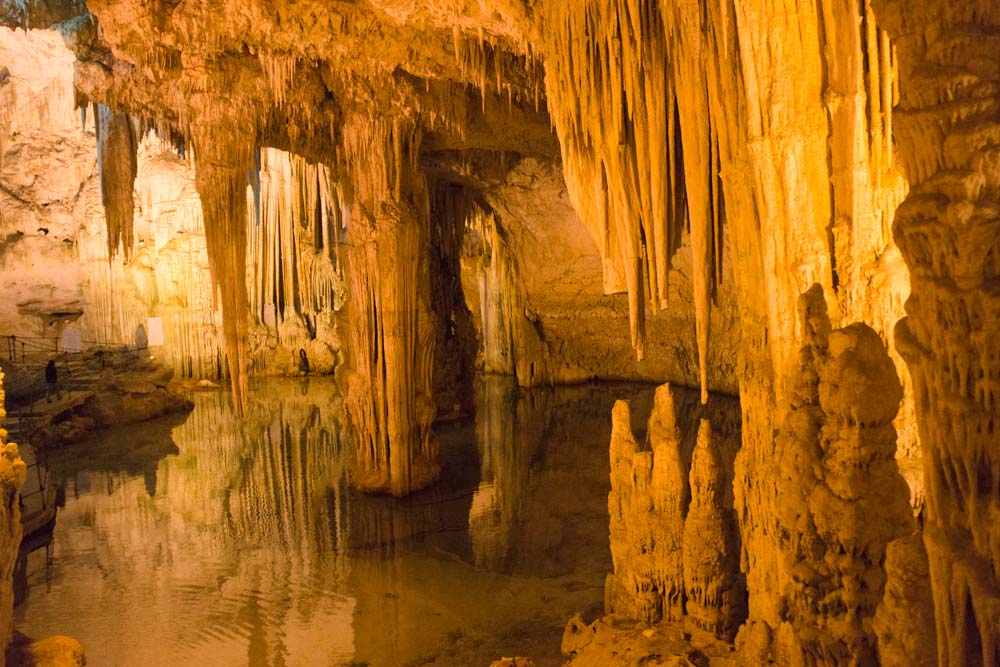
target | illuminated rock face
x=533, y=277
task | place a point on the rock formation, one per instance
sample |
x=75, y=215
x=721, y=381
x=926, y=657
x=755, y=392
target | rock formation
x=675, y=541
x=842, y=497
x=948, y=231
x=714, y=587
x=391, y=341
x=12, y=475
x=648, y=502
x=903, y=619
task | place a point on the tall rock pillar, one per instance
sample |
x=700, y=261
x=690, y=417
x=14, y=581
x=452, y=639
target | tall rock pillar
x=947, y=129
x=391, y=328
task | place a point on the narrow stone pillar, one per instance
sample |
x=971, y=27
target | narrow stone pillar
x=118, y=164
x=648, y=501
x=713, y=584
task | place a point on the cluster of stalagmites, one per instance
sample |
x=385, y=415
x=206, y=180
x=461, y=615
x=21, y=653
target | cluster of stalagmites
x=674, y=538
x=843, y=515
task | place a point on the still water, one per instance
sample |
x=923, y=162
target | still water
x=203, y=540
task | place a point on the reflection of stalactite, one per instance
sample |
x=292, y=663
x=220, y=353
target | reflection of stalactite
x=290, y=496
x=117, y=163
x=509, y=428
x=391, y=328
x=258, y=502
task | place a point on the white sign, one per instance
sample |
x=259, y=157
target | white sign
x=154, y=331
x=70, y=341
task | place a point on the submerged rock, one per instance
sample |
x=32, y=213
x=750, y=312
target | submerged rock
x=56, y=651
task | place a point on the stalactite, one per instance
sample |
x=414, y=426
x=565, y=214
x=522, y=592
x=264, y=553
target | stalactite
x=456, y=341
x=224, y=155
x=278, y=72
x=293, y=238
x=715, y=589
x=494, y=69
x=116, y=155
x=8, y=103
x=618, y=93
x=168, y=274
x=510, y=342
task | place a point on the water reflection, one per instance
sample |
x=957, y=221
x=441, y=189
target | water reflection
x=221, y=542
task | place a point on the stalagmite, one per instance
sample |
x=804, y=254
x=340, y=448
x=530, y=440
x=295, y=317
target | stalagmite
x=715, y=589
x=905, y=615
x=116, y=155
x=842, y=499
x=648, y=500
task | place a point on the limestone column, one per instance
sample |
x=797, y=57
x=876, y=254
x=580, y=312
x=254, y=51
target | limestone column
x=947, y=128
x=841, y=498
x=391, y=328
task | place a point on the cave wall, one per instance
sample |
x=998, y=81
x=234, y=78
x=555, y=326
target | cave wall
x=45, y=165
